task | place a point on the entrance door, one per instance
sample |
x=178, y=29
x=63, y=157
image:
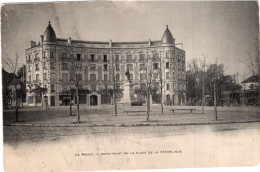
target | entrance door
x=168, y=99
x=93, y=100
x=52, y=100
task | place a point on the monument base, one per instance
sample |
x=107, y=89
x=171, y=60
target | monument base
x=128, y=94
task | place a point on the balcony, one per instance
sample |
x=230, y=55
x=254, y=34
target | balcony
x=36, y=59
x=28, y=61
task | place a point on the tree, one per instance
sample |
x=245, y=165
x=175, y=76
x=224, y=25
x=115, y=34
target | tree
x=162, y=83
x=71, y=81
x=197, y=71
x=39, y=91
x=13, y=67
x=21, y=76
x=114, y=84
x=253, y=62
x=110, y=91
x=151, y=88
x=78, y=71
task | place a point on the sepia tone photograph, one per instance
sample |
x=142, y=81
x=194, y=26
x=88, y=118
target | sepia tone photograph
x=136, y=85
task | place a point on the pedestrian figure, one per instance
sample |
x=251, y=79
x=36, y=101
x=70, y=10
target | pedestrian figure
x=46, y=104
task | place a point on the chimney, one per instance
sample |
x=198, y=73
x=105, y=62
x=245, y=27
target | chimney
x=150, y=42
x=69, y=40
x=33, y=44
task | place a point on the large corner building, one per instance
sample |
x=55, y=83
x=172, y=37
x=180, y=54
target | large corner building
x=48, y=65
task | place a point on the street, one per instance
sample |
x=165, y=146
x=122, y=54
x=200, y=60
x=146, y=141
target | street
x=80, y=148
x=51, y=141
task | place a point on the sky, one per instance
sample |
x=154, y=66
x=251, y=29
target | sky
x=219, y=30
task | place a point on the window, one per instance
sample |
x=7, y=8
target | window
x=167, y=65
x=37, y=56
x=142, y=58
x=142, y=67
x=167, y=75
x=117, y=67
x=168, y=86
x=143, y=76
x=105, y=77
x=105, y=67
x=78, y=57
x=105, y=58
x=93, y=88
x=129, y=66
x=129, y=57
x=65, y=77
x=92, y=57
x=92, y=77
x=155, y=66
x=45, y=76
x=52, y=65
x=44, y=65
x=155, y=75
x=29, y=58
x=63, y=55
x=51, y=54
x=37, y=66
x=131, y=77
x=52, y=88
x=92, y=67
x=44, y=54
x=117, y=77
x=30, y=78
x=117, y=57
x=79, y=77
x=64, y=66
x=37, y=78
x=29, y=68
x=52, y=77
x=155, y=56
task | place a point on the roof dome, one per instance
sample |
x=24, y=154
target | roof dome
x=49, y=34
x=167, y=37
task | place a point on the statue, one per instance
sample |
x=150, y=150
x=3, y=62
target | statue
x=128, y=75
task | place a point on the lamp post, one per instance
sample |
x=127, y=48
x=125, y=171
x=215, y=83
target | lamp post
x=114, y=83
x=203, y=81
x=215, y=94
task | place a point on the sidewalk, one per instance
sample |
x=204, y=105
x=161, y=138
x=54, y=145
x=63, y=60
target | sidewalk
x=104, y=116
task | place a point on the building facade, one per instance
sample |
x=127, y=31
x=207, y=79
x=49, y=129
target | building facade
x=49, y=65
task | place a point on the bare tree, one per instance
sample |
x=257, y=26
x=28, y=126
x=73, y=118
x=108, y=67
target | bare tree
x=253, y=62
x=114, y=83
x=161, y=84
x=76, y=71
x=13, y=67
x=71, y=80
x=197, y=67
x=150, y=84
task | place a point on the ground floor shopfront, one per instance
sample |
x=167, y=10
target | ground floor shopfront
x=100, y=99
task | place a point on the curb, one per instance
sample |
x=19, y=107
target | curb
x=127, y=125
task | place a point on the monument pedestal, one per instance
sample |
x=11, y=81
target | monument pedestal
x=128, y=94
